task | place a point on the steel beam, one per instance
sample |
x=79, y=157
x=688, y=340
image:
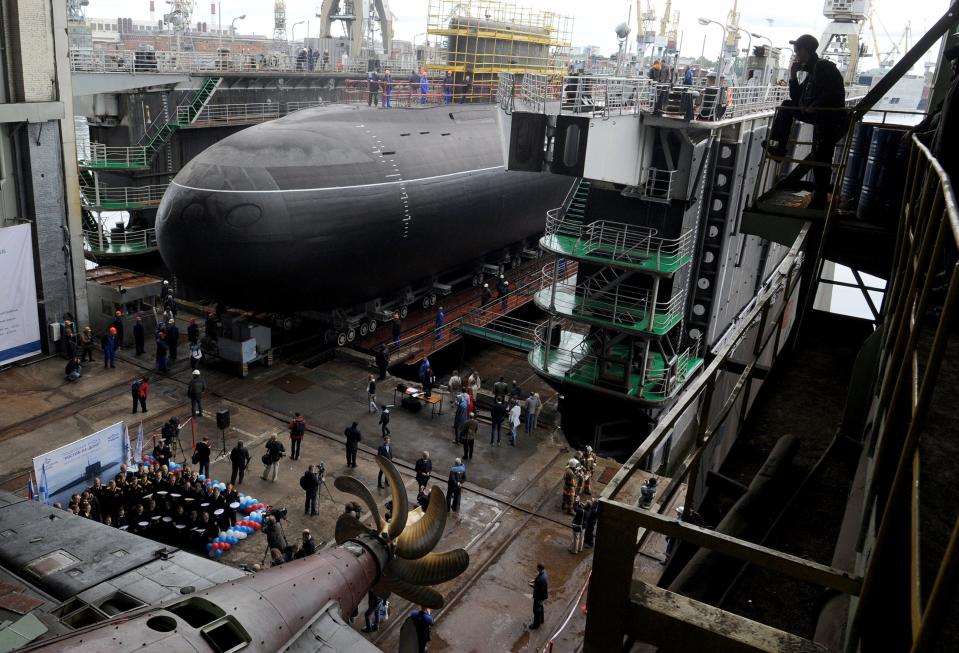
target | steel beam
x=678, y=623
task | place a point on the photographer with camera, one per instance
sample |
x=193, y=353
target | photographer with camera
x=271, y=459
x=310, y=482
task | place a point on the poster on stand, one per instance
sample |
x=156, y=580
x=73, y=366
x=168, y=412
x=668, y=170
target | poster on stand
x=19, y=322
x=72, y=468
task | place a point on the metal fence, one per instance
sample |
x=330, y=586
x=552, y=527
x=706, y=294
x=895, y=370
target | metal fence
x=921, y=318
x=226, y=114
x=121, y=197
x=130, y=61
x=120, y=242
x=407, y=93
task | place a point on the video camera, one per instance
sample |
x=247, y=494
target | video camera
x=278, y=513
x=321, y=470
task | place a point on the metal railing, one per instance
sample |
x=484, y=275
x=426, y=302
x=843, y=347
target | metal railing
x=226, y=114
x=659, y=185
x=921, y=319
x=586, y=364
x=738, y=101
x=623, y=305
x=406, y=93
x=606, y=96
x=292, y=107
x=537, y=90
x=130, y=61
x=501, y=328
x=120, y=242
x=622, y=242
x=122, y=197
x=97, y=155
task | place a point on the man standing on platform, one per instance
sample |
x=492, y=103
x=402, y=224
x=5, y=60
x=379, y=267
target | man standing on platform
x=353, y=439
x=118, y=325
x=271, y=459
x=172, y=339
x=382, y=358
x=499, y=413
x=297, y=430
x=310, y=482
x=440, y=322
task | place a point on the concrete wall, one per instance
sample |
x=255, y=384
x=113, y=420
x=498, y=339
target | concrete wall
x=38, y=174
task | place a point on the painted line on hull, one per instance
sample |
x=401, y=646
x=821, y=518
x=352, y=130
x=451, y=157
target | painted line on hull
x=312, y=190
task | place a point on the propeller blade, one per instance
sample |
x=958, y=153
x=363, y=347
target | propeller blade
x=423, y=536
x=348, y=527
x=352, y=486
x=401, y=504
x=432, y=569
x=428, y=598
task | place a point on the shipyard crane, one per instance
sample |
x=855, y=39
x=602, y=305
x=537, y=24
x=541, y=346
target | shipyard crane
x=646, y=34
x=355, y=15
x=279, y=21
x=75, y=10
x=732, y=37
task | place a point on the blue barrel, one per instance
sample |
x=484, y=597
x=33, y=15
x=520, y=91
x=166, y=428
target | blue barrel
x=875, y=201
x=856, y=165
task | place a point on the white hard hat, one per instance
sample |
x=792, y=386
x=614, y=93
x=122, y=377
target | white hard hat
x=196, y=372
x=572, y=463
x=165, y=281
x=486, y=285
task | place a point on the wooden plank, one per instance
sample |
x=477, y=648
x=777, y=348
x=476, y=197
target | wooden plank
x=805, y=570
x=678, y=623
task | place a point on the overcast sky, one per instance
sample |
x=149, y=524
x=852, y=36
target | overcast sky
x=593, y=21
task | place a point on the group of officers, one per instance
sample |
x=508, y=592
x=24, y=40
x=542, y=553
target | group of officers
x=174, y=508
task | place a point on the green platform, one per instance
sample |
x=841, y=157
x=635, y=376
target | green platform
x=500, y=338
x=599, y=312
x=578, y=248
x=582, y=369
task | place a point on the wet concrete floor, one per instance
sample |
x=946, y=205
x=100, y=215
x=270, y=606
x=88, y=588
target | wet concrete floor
x=509, y=520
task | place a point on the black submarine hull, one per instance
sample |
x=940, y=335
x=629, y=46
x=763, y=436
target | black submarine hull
x=338, y=205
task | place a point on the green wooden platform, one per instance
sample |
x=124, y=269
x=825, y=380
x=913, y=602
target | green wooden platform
x=498, y=337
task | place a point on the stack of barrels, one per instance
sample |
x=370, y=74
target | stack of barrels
x=871, y=182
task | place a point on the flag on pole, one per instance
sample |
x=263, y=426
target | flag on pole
x=31, y=490
x=127, y=451
x=43, y=488
x=138, y=450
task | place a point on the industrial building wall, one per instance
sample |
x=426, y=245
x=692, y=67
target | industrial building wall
x=38, y=174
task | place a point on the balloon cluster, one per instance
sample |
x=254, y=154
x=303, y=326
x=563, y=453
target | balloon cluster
x=149, y=461
x=253, y=510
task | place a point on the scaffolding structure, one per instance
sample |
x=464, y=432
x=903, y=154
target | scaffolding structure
x=482, y=38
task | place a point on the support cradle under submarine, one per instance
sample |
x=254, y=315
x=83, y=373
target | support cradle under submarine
x=349, y=209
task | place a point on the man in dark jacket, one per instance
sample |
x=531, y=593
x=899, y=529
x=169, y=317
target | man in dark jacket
x=202, y=455
x=468, y=436
x=499, y=413
x=382, y=358
x=423, y=622
x=385, y=450
x=540, y=586
x=816, y=100
x=193, y=332
x=423, y=469
x=297, y=430
x=118, y=325
x=353, y=439
x=139, y=335
x=310, y=482
x=239, y=461
x=454, y=485
x=271, y=459
x=140, y=389
x=172, y=339
x=210, y=328
x=373, y=89
x=195, y=392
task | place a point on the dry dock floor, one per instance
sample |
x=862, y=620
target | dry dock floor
x=510, y=517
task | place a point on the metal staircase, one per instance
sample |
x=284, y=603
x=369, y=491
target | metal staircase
x=96, y=156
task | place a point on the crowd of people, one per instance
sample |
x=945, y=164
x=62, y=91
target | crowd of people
x=173, y=507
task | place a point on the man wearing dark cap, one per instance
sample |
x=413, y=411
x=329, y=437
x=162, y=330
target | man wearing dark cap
x=814, y=100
